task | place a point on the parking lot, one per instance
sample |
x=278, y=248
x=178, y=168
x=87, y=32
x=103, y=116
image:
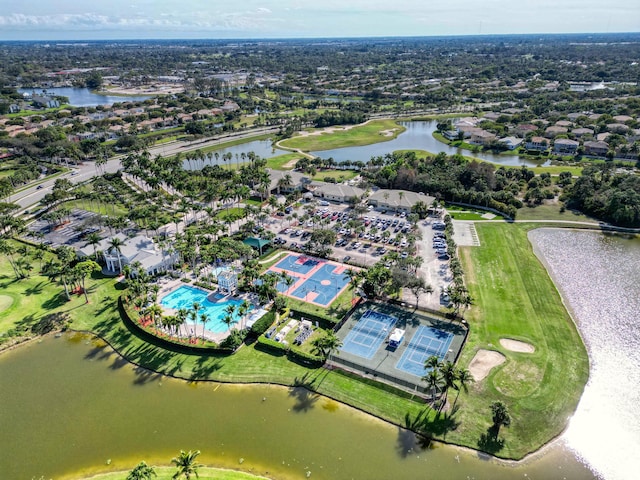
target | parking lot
x=71, y=233
x=375, y=233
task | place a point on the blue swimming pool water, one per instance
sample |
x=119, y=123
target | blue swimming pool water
x=185, y=296
x=427, y=341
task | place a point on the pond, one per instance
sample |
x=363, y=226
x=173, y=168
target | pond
x=83, y=97
x=236, y=155
x=71, y=406
x=419, y=136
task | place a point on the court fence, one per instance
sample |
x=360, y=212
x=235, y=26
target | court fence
x=415, y=388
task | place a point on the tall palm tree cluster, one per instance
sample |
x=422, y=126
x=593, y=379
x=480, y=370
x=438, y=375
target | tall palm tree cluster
x=458, y=294
x=441, y=376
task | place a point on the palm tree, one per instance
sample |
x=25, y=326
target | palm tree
x=464, y=378
x=186, y=464
x=434, y=382
x=204, y=318
x=228, y=320
x=82, y=269
x=155, y=311
x=500, y=416
x=449, y=374
x=326, y=344
x=117, y=244
x=142, y=471
x=243, y=309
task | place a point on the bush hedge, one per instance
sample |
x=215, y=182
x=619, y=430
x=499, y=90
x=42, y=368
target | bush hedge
x=263, y=324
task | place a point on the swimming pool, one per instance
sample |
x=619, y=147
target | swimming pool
x=185, y=296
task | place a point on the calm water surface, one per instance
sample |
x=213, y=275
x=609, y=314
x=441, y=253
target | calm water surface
x=418, y=135
x=82, y=97
x=70, y=406
x=599, y=277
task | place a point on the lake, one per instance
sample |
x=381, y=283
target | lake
x=599, y=278
x=70, y=405
x=419, y=136
x=83, y=97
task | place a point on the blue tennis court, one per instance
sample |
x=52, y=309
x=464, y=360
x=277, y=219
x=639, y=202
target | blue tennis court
x=427, y=341
x=368, y=334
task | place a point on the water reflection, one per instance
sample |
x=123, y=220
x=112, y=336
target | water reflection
x=599, y=277
x=83, y=97
x=418, y=135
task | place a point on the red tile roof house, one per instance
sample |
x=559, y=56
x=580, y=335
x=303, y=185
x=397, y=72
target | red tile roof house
x=563, y=145
x=537, y=143
x=596, y=149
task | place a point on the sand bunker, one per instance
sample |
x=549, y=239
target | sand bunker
x=5, y=302
x=517, y=346
x=483, y=362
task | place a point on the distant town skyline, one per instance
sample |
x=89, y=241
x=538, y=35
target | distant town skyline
x=140, y=19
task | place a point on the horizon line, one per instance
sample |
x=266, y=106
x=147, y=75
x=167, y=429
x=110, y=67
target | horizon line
x=367, y=37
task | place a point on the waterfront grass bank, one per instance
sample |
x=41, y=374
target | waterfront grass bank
x=514, y=298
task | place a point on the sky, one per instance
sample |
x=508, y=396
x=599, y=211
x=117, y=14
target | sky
x=142, y=19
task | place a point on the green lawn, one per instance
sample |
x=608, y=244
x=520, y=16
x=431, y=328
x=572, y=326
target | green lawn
x=166, y=473
x=366, y=134
x=517, y=299
x=551, y=212
x=233, y=213
x=279, y=161
x=337, y=174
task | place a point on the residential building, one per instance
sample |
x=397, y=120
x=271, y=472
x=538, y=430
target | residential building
x=596, y=149
x=555, y=130
x=511, y=142
x=482, y=137
x=581, y=132
x=565, y=146
x=524, y=128
x=45, y=102
x=537, y=143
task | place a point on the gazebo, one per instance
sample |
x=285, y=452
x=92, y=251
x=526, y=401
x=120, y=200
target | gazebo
x=257, y=243
x=228, y=282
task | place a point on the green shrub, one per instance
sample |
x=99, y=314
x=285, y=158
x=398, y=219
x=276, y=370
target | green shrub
x=185, y=280
x=263, y=324
x=304, y=358
x=271, y=345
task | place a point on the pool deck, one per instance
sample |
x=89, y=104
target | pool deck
x=188, y=328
